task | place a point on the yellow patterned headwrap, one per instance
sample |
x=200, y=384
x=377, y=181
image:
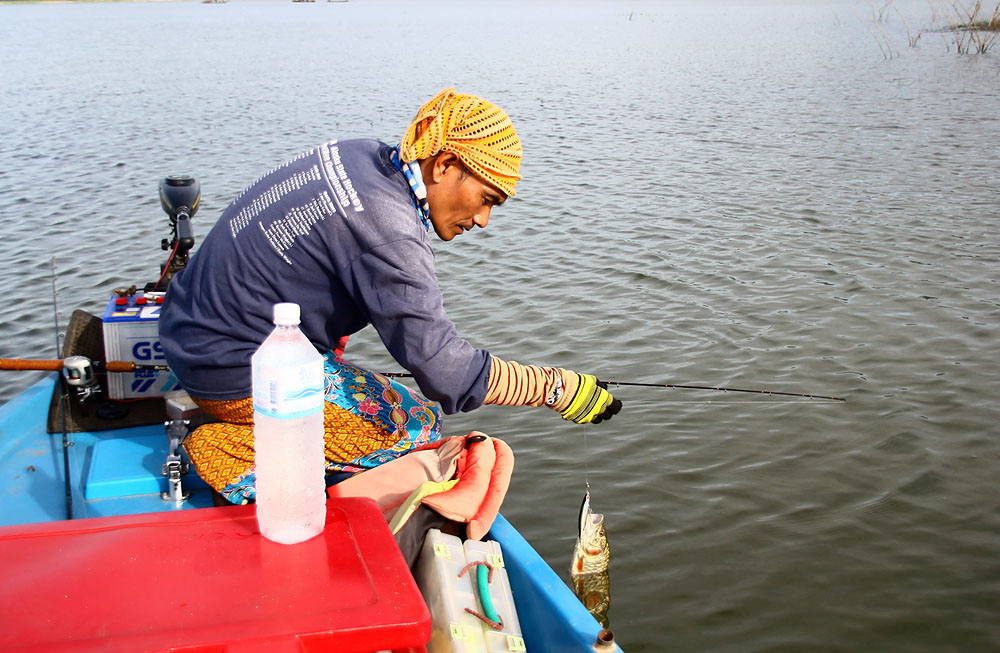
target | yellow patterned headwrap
x=479, y=132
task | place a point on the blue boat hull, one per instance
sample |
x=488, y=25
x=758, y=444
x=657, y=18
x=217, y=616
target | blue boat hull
x=119, y=472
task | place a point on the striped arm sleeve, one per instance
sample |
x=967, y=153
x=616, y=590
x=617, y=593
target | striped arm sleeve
x=513, y=384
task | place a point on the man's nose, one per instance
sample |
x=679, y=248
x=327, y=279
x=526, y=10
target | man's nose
x=482, y=218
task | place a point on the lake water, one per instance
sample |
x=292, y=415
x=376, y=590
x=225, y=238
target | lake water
x=739, y=194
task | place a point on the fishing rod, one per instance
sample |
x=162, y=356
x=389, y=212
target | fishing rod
x=396, y=375
x=63, y=400
x=710, y=387
x=77, y=372
x=129, y=366
x=75, y=363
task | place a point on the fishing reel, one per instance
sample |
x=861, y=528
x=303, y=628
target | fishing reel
x=179, y=197
x=78, y=372
x=80, y=378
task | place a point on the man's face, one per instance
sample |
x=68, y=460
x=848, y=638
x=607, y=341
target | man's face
x=458, y=199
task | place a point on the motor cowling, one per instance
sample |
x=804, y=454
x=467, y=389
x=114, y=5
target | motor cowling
x=179, y=197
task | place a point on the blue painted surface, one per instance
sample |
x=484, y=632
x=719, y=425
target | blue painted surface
x=130, y=466
x=117, y=472
x=31, y=465
x=552, y=618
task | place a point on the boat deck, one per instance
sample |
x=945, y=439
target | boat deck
x=114, y=472
x=119, y=472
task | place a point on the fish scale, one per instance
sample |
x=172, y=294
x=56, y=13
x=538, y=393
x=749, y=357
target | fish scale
x=589, y=568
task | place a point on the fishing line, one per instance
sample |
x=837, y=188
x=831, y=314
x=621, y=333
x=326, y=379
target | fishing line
x=64, y=400
x=768, y=393
x=55, y=309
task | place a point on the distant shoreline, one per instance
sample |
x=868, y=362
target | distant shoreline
x=77, y=2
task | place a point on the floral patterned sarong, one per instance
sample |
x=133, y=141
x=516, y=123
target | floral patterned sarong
x=368, y=419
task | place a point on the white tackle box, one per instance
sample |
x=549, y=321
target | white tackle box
x=454, y=630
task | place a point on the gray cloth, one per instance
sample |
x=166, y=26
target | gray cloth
x=336, y=231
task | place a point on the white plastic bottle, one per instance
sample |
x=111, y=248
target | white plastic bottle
x=288, y=432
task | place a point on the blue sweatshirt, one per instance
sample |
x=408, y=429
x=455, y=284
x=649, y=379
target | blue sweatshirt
x=334, y=230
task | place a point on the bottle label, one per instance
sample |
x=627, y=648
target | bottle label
x=289, y=392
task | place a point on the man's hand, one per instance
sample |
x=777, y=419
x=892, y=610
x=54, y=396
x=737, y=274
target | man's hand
x=592, y=402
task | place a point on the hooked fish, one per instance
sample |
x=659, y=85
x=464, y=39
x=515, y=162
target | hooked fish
x=589, y=569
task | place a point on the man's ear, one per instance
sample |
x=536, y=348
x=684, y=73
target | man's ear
x=443, y=162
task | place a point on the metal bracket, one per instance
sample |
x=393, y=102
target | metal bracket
x=174, y=467
x=180, y=409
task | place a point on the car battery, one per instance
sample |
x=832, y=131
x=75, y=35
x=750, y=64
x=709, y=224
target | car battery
x=446, y=574
x=131, y=334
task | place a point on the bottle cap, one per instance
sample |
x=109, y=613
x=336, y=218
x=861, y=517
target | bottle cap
x=286, y=314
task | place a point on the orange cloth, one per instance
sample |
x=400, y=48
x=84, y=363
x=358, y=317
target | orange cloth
x=391, y=483
x=479, y=132
x=483, y=478
x=223, y=451
x=483, y=468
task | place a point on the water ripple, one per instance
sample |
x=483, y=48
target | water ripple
x=720, y=195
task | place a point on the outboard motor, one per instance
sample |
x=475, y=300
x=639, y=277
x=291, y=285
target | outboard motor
x=179, y=197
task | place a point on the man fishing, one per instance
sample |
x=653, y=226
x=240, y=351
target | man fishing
x=342, y=230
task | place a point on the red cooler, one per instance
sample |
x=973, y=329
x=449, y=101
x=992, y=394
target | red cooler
x=207, y=581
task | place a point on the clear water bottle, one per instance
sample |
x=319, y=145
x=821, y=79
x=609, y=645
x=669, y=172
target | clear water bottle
x=288, y=432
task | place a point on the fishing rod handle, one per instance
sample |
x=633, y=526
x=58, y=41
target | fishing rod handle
x=119, y=366
x=55, y=365
x=77, y=371
x=26, y=364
